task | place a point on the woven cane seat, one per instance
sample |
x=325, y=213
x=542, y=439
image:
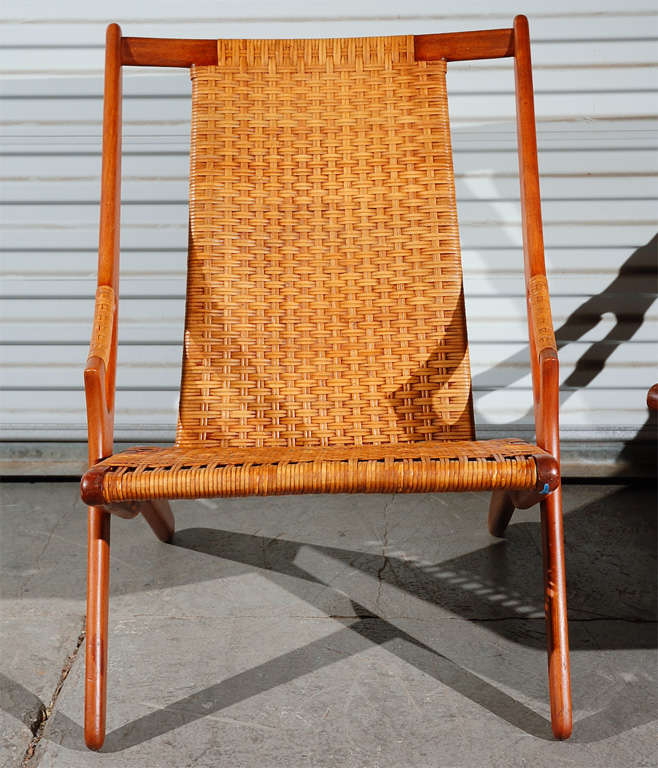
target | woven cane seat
x=180, y=473
x=325, y=340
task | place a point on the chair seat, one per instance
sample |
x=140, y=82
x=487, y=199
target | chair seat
x=182, y=473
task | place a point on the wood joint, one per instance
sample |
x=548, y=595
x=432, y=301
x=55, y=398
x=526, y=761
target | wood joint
x=548, y=479
x=91, y=485
x=103, y=327
x=548, y=474
x=540, y=313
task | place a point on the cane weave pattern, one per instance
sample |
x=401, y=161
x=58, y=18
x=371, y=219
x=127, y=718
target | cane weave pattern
x=101, y=333
x=324, y=300
x=175, y=473
x=325, y=342
x=540, y=313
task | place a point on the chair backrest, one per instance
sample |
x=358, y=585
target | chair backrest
x=324, y=299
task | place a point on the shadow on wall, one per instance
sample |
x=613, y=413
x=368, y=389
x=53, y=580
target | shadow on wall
x=619, y=298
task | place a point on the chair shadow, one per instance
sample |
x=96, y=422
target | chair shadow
x=619, y=298
x=629, y=306
x=470, y=586
x=434, y=401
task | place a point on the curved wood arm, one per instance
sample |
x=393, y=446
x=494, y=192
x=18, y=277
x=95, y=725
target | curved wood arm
x=99, y=375
x=543, y=350
x=103, y=327
x=100, y=415
x=540, y=318
x=100, y=370
x=547, y=407
x=101, y=360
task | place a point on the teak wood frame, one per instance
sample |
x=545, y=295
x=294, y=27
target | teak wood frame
x=100, y=369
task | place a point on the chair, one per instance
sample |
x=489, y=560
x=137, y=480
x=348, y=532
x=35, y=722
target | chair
x=325, y=344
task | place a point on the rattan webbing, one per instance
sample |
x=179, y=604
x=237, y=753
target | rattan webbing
x=174, y=473
x=324, y=291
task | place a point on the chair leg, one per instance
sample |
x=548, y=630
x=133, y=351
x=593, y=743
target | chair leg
x=98, y=592
x=556, y=614
x=501, y=509
x=159, y=516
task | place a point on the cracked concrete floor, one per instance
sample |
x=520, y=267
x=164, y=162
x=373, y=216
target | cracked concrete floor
x=356, y=631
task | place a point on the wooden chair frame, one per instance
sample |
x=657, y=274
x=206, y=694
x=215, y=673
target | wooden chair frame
x=100, y=370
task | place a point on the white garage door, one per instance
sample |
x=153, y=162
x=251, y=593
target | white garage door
x=595, y=81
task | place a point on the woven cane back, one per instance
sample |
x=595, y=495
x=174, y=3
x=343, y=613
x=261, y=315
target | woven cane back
x=324, y=299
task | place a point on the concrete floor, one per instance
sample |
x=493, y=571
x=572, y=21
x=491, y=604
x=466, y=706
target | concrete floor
x=356, y=631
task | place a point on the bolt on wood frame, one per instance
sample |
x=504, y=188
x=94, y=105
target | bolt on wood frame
x=100, y=368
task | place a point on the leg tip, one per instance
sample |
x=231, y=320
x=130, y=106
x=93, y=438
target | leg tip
x=562, y=728
x=94, y=740
x=497, y=531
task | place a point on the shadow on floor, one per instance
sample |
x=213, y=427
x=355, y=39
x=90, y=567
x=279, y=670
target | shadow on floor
x=501, y=581
x=611, y=554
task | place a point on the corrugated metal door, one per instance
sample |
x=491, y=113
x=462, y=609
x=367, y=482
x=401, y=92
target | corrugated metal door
x=596, y=106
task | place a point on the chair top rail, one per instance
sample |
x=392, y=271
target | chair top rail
x=451, y=46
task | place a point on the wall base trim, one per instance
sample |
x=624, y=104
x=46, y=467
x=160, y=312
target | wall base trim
x=580, y=458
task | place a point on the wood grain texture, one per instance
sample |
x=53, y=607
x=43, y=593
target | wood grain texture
x=96, y=637
x=465, y=46
x=540, y=314
x=557, y=633
x=103, y=324
x=452, y=46
x=99, y=379
x=159, y=52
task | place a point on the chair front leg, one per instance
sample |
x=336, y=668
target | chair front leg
x=98, y=593
x=99, y=376
x=555, y=605
x=100, y=419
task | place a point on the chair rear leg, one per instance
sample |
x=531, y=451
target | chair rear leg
x=501, y=509
x=98, y=592
x=556, y=614
x=159, y=516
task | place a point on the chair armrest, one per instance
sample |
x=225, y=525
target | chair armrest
x=541, y=320
x=547, y=404
x=545, y=365
x=99, y=375
x=103, y=327
x=543, y=349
